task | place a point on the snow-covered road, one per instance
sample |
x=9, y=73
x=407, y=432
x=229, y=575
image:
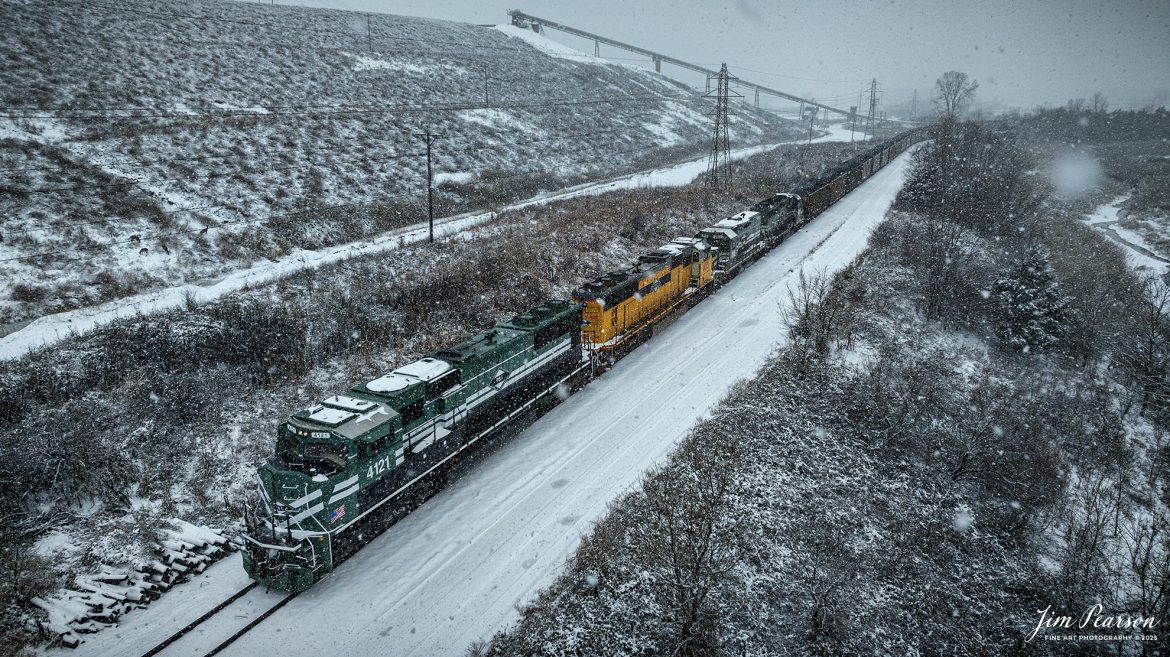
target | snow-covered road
x=19, y=338
x=455, y=570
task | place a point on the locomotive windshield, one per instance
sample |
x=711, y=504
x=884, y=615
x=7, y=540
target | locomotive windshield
x=312, y=458
x=326, y=453
x=717, y=240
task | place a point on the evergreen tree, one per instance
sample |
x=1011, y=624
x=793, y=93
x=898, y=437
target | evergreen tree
x=1034, y=312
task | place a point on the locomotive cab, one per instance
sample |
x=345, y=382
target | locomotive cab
x=780, y=215
x=305, y=447
x=700, y=259
x=307, y=488
x=724, y=244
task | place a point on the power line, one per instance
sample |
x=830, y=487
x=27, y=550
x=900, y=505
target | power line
x=792, y=77
x=265, y=112
x=138, y=181
x=166, y=161
x=354, y=51
x=300, y=165
x=75, y=166
x=222, y=206
x=204, y=230
x=219, y=20
x=234, y=208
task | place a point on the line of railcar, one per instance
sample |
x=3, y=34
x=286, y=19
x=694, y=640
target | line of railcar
x=349, y=466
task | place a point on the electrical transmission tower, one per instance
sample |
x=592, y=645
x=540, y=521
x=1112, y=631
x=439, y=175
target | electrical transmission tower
x=873, y=100
x=719, y=166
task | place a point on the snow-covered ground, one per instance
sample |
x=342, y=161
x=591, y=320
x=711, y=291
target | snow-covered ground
x=1139, y=254
x=454, y=571
x=54, y=328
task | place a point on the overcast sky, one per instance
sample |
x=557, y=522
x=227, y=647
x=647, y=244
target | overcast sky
x=1022, y=52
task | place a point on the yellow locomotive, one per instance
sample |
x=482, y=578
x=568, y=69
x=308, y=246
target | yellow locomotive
x=623, y=305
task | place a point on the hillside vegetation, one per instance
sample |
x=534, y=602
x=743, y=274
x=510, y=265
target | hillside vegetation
x=148, y=143
x=180, y=407
x=967, y=425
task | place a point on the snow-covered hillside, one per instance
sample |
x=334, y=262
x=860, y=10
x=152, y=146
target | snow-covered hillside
x=180, y=404
x=153, y=143
x=50, y=329
x=456, y=569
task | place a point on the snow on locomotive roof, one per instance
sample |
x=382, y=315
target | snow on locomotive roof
x=408, y=375
x=735, y=221
x=672, y=249
x=349, y=403
x=329, y=416
x=725, y=232
x=692, y=242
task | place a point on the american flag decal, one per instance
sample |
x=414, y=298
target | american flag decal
x=337, y=514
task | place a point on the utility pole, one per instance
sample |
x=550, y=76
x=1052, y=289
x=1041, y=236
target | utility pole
x=852, y=122
x=913, y=104
x=430, y=137
x=872, y=106
x=486, y=73
x=719, y=165
x=369, y=37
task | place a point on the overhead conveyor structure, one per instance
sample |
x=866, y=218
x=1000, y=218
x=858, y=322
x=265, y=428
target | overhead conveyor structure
x=521, y=19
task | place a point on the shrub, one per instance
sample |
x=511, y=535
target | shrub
x=28, y=293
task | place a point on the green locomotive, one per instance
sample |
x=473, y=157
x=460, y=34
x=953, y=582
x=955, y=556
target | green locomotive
x=344, y=463
x=342, y=466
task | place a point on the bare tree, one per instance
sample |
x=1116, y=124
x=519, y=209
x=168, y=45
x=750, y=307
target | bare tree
x=1099, y=104
x=826, y=579
x=822, y=309
x=953, y=91
x=24, y=574
x=1148, y=551
x=894, y=394
x=689, y=542
x=1145, y=351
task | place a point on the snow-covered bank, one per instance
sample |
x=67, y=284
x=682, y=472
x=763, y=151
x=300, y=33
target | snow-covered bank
x=452, y=572
x=51, y=329
x=1138, y=253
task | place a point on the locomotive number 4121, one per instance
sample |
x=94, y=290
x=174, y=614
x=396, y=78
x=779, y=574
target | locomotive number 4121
x=380, y=466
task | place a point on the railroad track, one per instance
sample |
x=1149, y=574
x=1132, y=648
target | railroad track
x=574, y=379
x=226, y=605
x=215, y=611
